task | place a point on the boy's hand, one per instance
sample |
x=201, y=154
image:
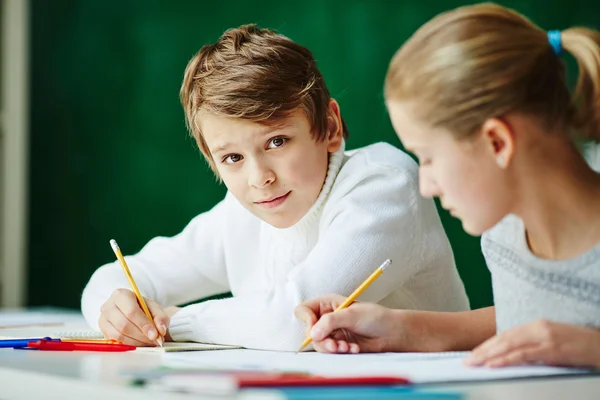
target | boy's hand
x=362, y=327
x=541, y=341
x=123, y=319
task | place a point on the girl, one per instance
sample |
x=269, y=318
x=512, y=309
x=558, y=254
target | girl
x=479, y=95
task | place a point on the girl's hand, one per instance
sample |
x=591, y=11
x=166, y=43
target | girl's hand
x=362, y=327
x=542, y=341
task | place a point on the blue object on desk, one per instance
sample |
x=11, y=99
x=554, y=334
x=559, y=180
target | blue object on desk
x=368, y=392
x=18, y=343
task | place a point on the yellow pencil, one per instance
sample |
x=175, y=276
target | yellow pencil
x=354, y=295
x=134, y=287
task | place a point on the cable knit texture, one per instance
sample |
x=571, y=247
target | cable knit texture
x=368, y=210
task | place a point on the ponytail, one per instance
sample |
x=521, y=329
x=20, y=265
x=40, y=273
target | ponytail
x=584, y=45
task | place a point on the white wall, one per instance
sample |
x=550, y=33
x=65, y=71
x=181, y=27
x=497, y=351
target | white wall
x=13, y=151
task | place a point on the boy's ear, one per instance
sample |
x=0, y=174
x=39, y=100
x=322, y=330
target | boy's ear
x=335, y=130
x=500, y=139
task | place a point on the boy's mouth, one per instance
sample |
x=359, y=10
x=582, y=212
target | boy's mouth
x=272, y=202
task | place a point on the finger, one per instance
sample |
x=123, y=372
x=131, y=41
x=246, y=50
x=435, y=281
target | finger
x=127, y=303
x=304, y=313
x=328, y=323
x=499, y=345
x=312, y=304
x=123, y=325
x=343, y=346
x=330, y=345
x=354, y=348
x=325, y=346
x=110, y=332
x=330, y=302
x=103, y=325
x=160, y=317
x=481, y=353
x=520, y=356
x=320, y=347
x=126, y=327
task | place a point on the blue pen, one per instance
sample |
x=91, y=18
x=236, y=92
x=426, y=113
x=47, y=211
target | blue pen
x=373, y=392
x=19, y=343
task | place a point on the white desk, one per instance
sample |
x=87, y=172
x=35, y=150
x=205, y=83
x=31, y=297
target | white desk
x=54, y=375
x=27, y=374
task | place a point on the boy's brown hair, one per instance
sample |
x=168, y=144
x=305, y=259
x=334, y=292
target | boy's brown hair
x=257, y=75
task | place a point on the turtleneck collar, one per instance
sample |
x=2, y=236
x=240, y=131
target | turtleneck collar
x=335, y=164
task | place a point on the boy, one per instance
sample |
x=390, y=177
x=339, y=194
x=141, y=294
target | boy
x=301, y=217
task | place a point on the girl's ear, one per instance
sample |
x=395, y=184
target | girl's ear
x=335, y=131
x=500, y=139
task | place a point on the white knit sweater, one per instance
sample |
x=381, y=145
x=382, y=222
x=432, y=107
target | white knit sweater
x=368, y=210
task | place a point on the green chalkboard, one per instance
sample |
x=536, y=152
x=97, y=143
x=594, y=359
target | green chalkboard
x=110, y=156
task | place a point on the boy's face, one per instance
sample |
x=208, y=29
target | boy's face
x=459, y=172
x=276, y=172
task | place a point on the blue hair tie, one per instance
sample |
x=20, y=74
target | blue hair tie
x=555, y=42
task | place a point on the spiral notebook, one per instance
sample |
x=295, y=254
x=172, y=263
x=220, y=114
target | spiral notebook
x=89, y=335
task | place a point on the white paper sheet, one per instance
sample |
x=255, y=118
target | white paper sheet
x=418, y=367
x=170, y=347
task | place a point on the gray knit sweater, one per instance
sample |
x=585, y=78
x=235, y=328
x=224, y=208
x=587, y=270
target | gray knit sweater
x=527, y=287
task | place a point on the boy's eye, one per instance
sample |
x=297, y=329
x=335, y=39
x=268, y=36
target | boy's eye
x=276, y=142
x=231, y=159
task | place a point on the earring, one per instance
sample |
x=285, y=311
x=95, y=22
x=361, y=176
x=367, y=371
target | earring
x=500, y=160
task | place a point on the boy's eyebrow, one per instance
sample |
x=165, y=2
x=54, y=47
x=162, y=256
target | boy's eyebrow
x=221, y=147
x=274, y=127
x=269, y=129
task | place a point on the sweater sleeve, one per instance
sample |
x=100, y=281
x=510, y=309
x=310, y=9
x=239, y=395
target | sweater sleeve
x=171, y=271
x=370, y=216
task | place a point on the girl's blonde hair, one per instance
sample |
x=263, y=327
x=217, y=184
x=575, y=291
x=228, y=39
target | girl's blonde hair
x=482, y=61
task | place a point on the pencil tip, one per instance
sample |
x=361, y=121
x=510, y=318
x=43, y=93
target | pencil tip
x=159, y=341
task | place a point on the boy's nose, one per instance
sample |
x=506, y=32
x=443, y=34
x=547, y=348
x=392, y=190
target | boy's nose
x=261, y=176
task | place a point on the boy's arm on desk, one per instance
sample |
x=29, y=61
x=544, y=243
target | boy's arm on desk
x=166, y=269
